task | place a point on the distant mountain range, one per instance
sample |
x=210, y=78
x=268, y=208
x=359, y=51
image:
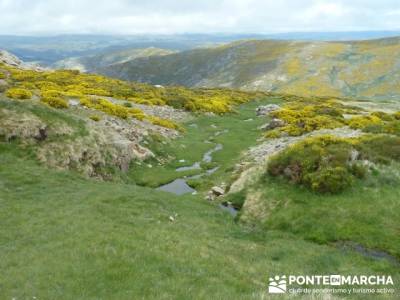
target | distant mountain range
x=362, y=69
x=47, y=50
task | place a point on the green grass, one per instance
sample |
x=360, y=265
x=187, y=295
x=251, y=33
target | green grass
x=65, y=237
x=51, y=116
x=367, y=214
x=238, y=136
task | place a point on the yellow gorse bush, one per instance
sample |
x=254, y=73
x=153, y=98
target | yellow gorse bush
x=54, y=101
x=56, y=87
x=361, y=122
x=19, y=93
x=306, y=115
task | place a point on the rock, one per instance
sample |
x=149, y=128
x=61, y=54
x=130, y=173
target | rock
x=210, y=196
x=9, y=59
x=266, y=109
x=275, y=123
x=354, y=155
x=181, y=160
x=42, y=134
x=218, y=191
x=73, y=102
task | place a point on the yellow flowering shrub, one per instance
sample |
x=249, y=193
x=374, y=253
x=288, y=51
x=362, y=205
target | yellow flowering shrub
x=95, y=118
x=361, y=122
x=19, y=93
x=54, y=101
x=306, y=115
x=164, y=123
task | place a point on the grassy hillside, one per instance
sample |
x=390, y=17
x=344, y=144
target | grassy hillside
x=363, y=69
x=65, y=237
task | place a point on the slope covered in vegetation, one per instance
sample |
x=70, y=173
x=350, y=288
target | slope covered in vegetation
x=363, y=69
x=293, y=168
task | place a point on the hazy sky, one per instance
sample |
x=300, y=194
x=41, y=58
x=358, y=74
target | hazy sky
x=200, y=16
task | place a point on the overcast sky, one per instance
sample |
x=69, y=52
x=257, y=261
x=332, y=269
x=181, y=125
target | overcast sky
x=195, y=16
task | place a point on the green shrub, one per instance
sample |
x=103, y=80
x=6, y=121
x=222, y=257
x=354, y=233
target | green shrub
x=19, y=93
x=323, y=164
x=379, y=149
x=329, y=179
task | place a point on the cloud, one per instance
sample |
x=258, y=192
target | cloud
x=206, y=16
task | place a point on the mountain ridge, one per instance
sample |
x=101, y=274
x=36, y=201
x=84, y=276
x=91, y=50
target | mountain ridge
x=361, y=69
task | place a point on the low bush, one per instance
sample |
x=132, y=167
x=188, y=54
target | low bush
x=95, y=118
x=56, y=102
x=379, y=148
x=164, y=123
x=306, y=115
x=323, y=164
x=362, y=122
x=329, y=179
x=329, y=165
x=19, y=93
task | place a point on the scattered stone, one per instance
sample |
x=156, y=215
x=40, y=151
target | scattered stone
x=275, y=123
x=266, y=109
x=218, y=191
x=73, y=102
x=181, y=160
x=210, y=196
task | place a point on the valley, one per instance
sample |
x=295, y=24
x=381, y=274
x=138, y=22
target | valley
x=163, y=191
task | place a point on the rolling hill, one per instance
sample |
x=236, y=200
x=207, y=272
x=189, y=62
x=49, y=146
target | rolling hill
x=361, y=69
x=91, y=63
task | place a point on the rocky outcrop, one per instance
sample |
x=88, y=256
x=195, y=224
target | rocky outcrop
x=264, y=110
x=11, y=60
x=91, y=148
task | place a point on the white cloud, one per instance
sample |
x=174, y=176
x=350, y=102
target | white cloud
x=177, y=16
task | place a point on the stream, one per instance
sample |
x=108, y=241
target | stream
x=179, y=186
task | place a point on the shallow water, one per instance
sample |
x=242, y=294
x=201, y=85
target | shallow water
x=195, y=166
x=180, y=186
x=177, y=187
x=207, y=157
x=229, y=208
